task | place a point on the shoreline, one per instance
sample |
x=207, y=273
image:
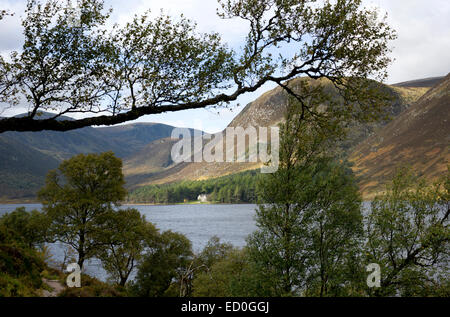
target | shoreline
x=11, y=202
x=185, y=204
x=131, y=204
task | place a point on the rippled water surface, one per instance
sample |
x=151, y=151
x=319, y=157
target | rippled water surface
x=231, y=223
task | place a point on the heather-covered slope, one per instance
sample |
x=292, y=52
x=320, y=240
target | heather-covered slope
x=419, y=137
x=266, y=111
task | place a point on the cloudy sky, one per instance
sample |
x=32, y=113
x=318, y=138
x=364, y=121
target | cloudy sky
x=422, y=49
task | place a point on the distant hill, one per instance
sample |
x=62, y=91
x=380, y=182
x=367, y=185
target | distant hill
x=22, y=169
x=269, y=110
x=130, y=139
x=425, y=82
x=123, y=140
x=26, y=157
x=419, y=137
x=153, y=158
x=63, y=145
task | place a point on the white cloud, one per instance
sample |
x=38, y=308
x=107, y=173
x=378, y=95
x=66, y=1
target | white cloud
x=423, y=44
x=10, y=27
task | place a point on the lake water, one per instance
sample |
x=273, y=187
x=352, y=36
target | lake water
x=231, y=223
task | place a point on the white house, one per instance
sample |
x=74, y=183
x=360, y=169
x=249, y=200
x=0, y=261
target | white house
x=202, y=198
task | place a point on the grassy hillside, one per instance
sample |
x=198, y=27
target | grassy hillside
x=123, y=140
x=269, y=110
x=22, y=169
x=130, y=139
x=25, y=158
x=153, y=158
x=419, y=137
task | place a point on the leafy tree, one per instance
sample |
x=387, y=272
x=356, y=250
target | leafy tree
x=232, y=275
x=408, y=235
x=213, y=252
x=242, y=185
x=307, y=241
x=76, y=197
x=309, y=210
x=124, y=237
x=21, y=264
x=28, y=228
x=160, y=271
x=70, y=64
x=20, y=270
x=335, y=230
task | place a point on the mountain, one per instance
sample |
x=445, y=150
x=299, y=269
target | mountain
x=268, y=110
x=22, y=169
x=123, y=140
x=153, y=158
x=419, y=137
x=130, y=139
x=425, y=82
x=63, y=145
x=26, y=157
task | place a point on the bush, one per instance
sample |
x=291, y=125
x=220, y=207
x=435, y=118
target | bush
x=27, y=228
x=20, y=271
x=235, y=275
x=162, y=268
x=92, y=287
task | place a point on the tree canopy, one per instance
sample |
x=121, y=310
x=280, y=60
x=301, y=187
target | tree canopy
x=78, y=196
x=234, y=188
x=408, y=235
x=73, y=64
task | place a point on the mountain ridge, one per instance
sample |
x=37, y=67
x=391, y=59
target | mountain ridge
x=423, y=82
x=268, y=110
x=146, y=147
x=45, y=150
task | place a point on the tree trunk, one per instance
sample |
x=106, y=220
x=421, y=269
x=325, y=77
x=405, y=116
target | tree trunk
x=81, y=253
x=123, y=280
x=81, y=260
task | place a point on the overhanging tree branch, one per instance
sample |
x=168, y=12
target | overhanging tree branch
x=152, y=66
